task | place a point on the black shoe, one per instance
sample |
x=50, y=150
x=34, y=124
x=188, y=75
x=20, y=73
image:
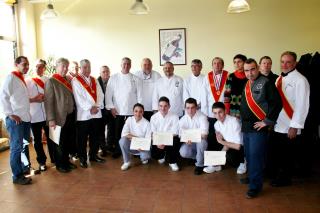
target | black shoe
x=198, y=170
x=63, y=170
x=104, y=153
x=252, y=193
x=71, y=166
x=97, y=159
x=280, y=183
x=244, y=180
x=22, y=181
x=83, y=164
x=116, y=155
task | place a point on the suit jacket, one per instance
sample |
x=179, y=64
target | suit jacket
x=59, y=102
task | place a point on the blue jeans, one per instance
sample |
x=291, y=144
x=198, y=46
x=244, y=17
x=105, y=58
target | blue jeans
x=254, y=148
x=19, y=150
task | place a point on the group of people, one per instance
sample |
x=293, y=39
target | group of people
x=248, y=113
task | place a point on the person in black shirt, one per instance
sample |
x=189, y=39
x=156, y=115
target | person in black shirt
x=265, y=65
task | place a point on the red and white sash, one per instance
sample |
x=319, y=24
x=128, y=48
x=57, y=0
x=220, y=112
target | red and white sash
x=39, y=82
x=216, y=93
x=20, y=76
x=63, y=81
x=285, y=103
x=92, y=90
x=254, y=107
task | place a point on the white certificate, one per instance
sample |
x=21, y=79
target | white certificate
x=54, y=134
x=140, y=143
x=214, y=158
x=194, y=135
x=162, y=138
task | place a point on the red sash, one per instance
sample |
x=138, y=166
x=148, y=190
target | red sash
x=254, y=107
x=91, y=90
x=217, y=92
x=39, y=82
x=63, y=81
x=239, y=74
x=20, y=76
x=285, y=103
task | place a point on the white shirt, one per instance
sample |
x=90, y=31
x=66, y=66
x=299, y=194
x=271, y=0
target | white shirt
x=141, y=129
x=172, y=88
x=198, y=121
x=297, y=90
x=14, y=98
x=123, y=92
x=37, y=110
x=230, y=129
x=84, y=100
x=208, y=100
x=148, y=82
x=168, y=123
x=193, y=87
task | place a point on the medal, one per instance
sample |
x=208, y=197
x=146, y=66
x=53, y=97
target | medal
x=218, y=92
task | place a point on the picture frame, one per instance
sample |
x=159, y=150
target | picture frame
x=172, y=46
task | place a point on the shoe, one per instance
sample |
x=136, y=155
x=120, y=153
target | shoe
x=242, y=169
x=22, y=180
x=104, y=153
x=116, y=155
x=97, y=159
x=211, y=169
x=63, y=170
x=162, y=161
x=43, y=168
x=125, y=166
x=244, y=180
x=32, y=171
x=72, y=166
x=198, y=170
x=174, y=167
x=281, y=183
x=144, y=162
x=83, y=165
x=252, y=193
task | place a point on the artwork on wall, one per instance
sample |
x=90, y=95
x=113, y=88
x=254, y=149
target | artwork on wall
x=172, y=46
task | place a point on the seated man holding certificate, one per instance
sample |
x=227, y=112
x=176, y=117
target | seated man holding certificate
x=164, y=128
x=135, y=137
x=194, y=128
x=228, y=134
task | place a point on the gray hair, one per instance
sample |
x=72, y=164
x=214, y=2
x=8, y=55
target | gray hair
x=84, y=61
x=62, y=61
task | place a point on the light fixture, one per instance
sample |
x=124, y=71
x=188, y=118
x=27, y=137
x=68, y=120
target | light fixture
x=139, y=8
x=10, y=2
x=49, y=12
x=238, y=6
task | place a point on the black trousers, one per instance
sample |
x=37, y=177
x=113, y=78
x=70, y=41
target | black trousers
x=111, y=142
x=85, y=129
x=171, y=153
x=67, y=134
x=118, y=125
x=235, y=157
x=147, y=115
x=213, y=144
x=38, y=146
x=285, y=155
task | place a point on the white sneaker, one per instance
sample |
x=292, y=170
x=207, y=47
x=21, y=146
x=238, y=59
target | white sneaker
x=161, y=161
x=211, y=169
x=144, y=162
x=242, y=169
x=174, y=167
x=125, y=166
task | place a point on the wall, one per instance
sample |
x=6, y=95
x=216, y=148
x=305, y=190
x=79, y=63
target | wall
x=104, y=31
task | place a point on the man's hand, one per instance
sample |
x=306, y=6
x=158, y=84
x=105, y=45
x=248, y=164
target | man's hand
x=219, y=138
x=52, y=124
x=94, y=110
x=15, y=118
x=37, y=99
x=259, y=125
x=292, y=133
x=161, y=146
x=114, y=112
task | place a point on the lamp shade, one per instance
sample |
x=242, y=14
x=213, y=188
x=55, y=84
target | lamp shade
x=238, y=6
x=139, y=8
x=49, y=13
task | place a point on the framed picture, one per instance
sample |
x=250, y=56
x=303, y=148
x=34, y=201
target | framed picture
x=172, y=46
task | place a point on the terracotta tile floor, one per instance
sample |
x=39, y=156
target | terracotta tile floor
x=148, y=188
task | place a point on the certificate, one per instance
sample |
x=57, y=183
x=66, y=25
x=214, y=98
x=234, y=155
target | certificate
x=214, y=158
x=54, y=134
x=162, y=138
x=194, y=135
x=140, y=143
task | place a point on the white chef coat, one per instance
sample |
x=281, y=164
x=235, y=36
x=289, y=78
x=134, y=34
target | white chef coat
x=230, y=129
x=141, y=129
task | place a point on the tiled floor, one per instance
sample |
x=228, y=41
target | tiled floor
x=148, y=188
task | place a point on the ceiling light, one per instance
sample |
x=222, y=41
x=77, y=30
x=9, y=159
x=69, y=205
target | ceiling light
x=49, y=13
x=238, y=6
x=139, y=8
